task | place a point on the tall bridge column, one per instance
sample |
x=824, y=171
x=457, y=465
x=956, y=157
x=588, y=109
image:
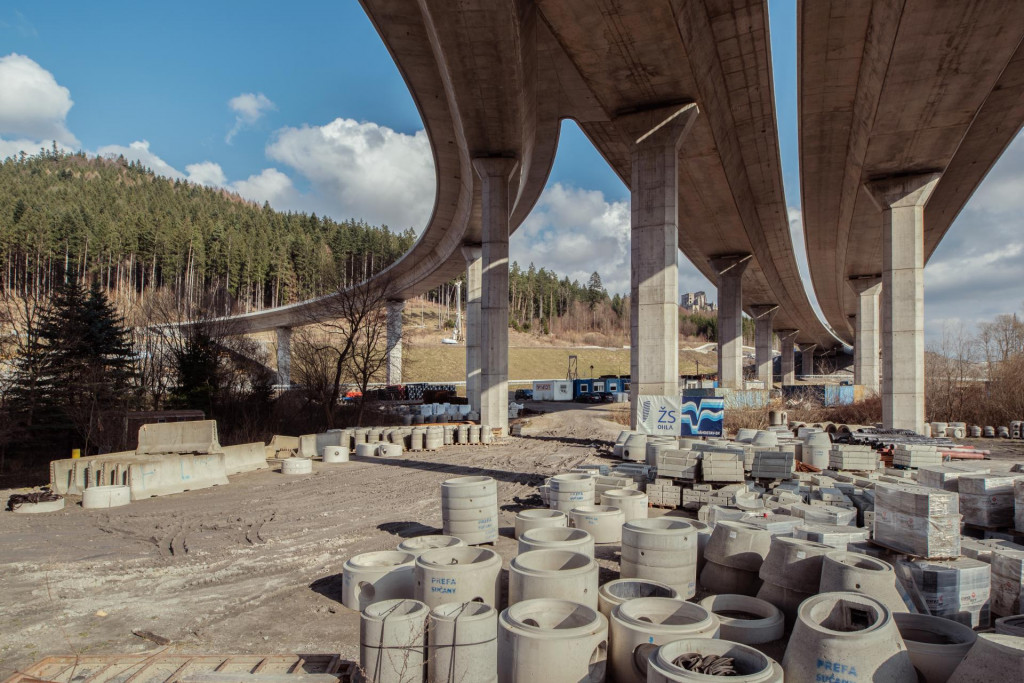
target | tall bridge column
x=474, y=273
x=901, y=200
x=494, y=174
x=284, y=356
x=865, y=342
x=394, y=342
x=763, y=317
x=787, y=340
x=730, y=318
x=807, y=358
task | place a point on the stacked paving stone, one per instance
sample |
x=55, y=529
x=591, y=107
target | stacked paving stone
x=915, y=456
x=664, y=493
x=772, y=465
x=722, y=467
x=946, y=476
x=917, y=520
x=847, y=457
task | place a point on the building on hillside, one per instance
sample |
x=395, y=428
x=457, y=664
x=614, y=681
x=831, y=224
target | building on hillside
x=696, y=302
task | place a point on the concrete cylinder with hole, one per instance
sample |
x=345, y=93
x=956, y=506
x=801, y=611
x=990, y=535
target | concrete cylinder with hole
x=377, y=576
x=603, y=522
x=389, y=450
x=460, y=574
x=562, y=574
x=393, y=641
x=848, y=635
x=858, y=573
x=449, y=434
x=463, y=642
x=421, y=544
x=567, y=491
x=366, y=449
x=816, y=449
x=619, y=591
x=662, y=549
x=703, y=530
x=486, y=434
x=541, y=518
x=462, y=434
x=633, y=503
x=416, y=438
x=635, y=448
x=335, y=454
x=469, y=509
x=551, y=640
x=665, y=663
x=638, y=626
x=297, y=466
x=657, y=445
x=745, y=619
x=994, y=657
x=557, y=538
x=936, y=645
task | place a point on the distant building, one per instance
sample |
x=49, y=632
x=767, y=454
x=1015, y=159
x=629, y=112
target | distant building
x=696, y=302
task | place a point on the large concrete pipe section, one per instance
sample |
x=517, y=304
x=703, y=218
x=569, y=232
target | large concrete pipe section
x=460, y=574
x=557, y=538
x=603, y=522
x=421, y=544
x=745, y=619
x=672, y=662
x=638, y=627
x=559, y=574
x=373, y=577
x=463, y=640
x=843, y=571
x=556, y=641
x=109, y=496
x=539, y=519
x=994, y=657
x=791, y=573
x=635, y=448
x=632, y=502
x=662, y=550
x=297, y=466
x=568, y=491
x=393, y=641
x=846, y=635
x=619, y=591
x=936, y=645
x=469, y=509
x=733, y=558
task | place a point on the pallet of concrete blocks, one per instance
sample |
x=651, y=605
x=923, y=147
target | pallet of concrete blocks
x=915, y=456
x=838, y=536
x=1007, y=582
x=917, y=520
x=776, y=525
x=824, y=514
x=945, y=476
x=772, y=465
x=722, y=467
x=852, y=457
x=982, y=548
x=664, y=495
x=987, y=500
x=959, y=590
x=607, y=483
x=829, y=495
x=692, y=500
x=679, y=465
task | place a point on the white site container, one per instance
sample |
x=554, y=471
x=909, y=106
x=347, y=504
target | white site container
x=554, y=641
x=632, y=502
x=751, y=666
x=603, y=522
x=562, y=574
x=373, y=577
x=469, y=509
x=638, y=627
x=663, y=550
x=560, y=538
x=393, y=641
x=567, y=491
x=562, y=390
x=540, y=518
x=463, y=640
x=460, y=574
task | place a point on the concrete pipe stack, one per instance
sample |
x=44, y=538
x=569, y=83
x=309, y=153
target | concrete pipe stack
x=603, y=522
x=662, y=550
x=568, y=491
x=562, y=574
x=665, y=664
x=733, y=558
x=551, y=640
x=463, y=640
x=632, y=502
x=618, y=591
x=462, y=434
x=541, y=518
x=474, y=434
x=561, y=538
x=843, y=571
x=460, y=574
x=638, y=627
x=393, y=641
x=791, y=573
x=372, y=577
x=469, y=509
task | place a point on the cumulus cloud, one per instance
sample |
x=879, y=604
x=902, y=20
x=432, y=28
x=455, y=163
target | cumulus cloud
x=249, y=108
x=139, y=151
x=362, y=170
x=33, y=105
x=206, y=173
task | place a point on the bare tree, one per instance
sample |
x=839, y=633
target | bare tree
x=952, y=374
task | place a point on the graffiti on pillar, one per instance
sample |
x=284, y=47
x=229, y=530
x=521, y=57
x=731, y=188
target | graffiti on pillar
x=658, y=415
x=701, y=416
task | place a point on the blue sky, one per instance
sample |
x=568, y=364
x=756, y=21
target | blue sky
x=300, y=104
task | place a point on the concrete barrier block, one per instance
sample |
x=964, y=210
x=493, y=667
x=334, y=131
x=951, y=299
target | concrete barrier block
x=68, y=475
x=245, y=457
x=278, y=443
x=163, y=475
x=198, y=436
x=307, y=446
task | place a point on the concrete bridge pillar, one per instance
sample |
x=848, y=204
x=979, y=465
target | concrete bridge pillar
x=654, y=138
x=730, y=318
x=901, y=200
x=763, y=317
x=865, y=326
x=494, y=174
x=394, y=347
x=474, y=273
x=807, y=358
x=284, y=356
x=787, y=340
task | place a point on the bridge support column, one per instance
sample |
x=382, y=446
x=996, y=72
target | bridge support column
x=730, y=318
x=284, y=356
x=807, y=358
x=494, y=174
x=901, y=200
x=394, y=343
x=787, y=340
x=865, y=325
x=474, y=271
x=654, y=138
x=763, y=317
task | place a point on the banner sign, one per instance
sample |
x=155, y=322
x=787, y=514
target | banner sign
x=701, y=416
x=658, y=415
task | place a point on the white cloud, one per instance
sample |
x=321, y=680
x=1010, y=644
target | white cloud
x=33, y=105
x=249, y=108
x=362, y=170
x=139, y=151
x=269, y=185
x=206, y=173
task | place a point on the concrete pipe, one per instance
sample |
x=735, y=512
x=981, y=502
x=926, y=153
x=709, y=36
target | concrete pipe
x=738, y=545
x=619, y=591
x=568, y=491
x=939, y=428
x=637, y=627
x=539, y=519
x=633, y=503
x=434, y=439
x=421, y=544
x=463, y=642
x=486, y=434
x=366, y=449
x=936, y=645
x=416, y=439
x=469, y=509
x=474, y=434
x=462, y=434
x=335, y=454
x=556, y=641
x=994, y=657
x=956, y=432
x=1003, y=432
x=765, y=439
x=794, y=563
x=988, y=432
x=562, y=574
x=745, y=435
x=816, y=448
x=603, y=522
x=716, y=578
x=703, y=530
x=393, y=641
x=666, y=663
x=775, y=418
x=635, y=448
x=663, y=550
x=849, y=636
x=576, y=540
x=110, y=496
x=389, y=450
x=974, y=431
x=1010, y=626
x=373, y=577
x=745, y=619
x=787, y=600
x=359, y=436
x=373, y=434
x=449, y=434
x=297, y=466
x=406, y=420
x=843, y=571
x=458, y=574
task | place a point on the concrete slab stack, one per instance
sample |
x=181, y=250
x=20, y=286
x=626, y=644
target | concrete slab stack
x=772, y=465
x=987, y=499
x=851, y=457
x=917, y=520
x=679, y=465
x=722, y=467
x=945, y=476
x=916, y=456
x=823, y=514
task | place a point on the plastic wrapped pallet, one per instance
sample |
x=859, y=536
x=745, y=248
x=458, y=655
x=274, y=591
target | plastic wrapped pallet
x=837, y=536
x=917, y=520
x=823, y=514
x=981, y=549
x=945, y=476
x=1018, y=504
x=1007, y=581
x=916, y=456
x=772, y=465
x=955, y=589
x=986, y=499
